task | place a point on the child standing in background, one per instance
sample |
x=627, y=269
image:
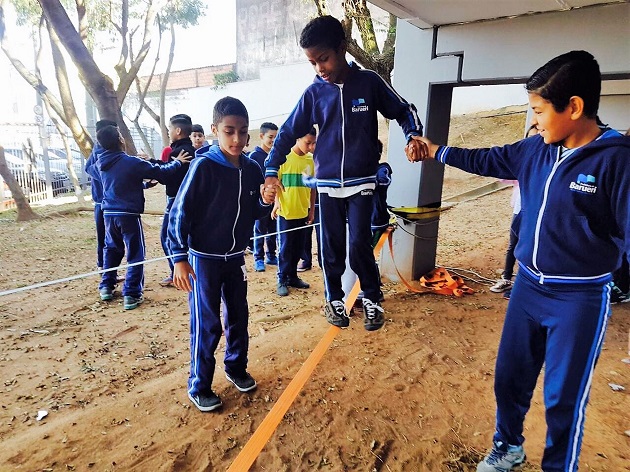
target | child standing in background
x=295, y=208
x=264, y=225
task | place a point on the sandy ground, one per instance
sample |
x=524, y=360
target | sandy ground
x=414, y=396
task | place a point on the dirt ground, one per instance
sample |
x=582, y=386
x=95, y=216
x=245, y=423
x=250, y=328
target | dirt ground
x=414, y=396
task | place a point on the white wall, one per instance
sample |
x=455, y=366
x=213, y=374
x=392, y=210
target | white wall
x=270, y=98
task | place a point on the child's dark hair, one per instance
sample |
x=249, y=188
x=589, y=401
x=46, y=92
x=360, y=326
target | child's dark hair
x=312, y=132
x=109, y=138
x=183, y=122
x=100, y=124
x=268, y=126
x=323, y=31
x=197, y=129
x=574, y=73
x=228, y=106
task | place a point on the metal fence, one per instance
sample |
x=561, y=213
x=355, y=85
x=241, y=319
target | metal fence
x=27, y=156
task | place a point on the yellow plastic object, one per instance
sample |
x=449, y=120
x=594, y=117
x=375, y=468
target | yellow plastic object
x=416, y=213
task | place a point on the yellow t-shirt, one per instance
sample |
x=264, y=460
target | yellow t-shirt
x=295, y=200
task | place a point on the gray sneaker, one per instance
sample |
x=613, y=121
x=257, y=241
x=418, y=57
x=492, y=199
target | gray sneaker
x=502, y=458
x=107, y=293
x=336, y=315
x=206, y=402
x=132, y=302
x=373, y=318
x=501, y=286
x=283, y=289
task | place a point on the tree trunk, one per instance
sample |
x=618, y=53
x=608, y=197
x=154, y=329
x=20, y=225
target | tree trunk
x=24, y=210
x=165, y=76
x=98, y=85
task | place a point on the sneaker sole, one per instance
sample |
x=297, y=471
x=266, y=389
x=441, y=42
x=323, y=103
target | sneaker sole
x=133, y=306
x=107, y=298
x=244, y=390
x=204, y=408
x=373, y=326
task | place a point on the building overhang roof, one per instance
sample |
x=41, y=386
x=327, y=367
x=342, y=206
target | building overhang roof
x=426, y=14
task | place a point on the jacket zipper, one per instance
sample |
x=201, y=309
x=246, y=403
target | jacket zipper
x=541, y=211
x=238, y=210
x=343, y=133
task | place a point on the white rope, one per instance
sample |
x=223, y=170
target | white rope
x=124, y=266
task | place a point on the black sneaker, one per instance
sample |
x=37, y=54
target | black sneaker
x=616, y=295
x=297, y=282
x=243, y=382
x=336, y=315
x=373, y=318
x=206, y=402
x=132, y=302
x=107, y=293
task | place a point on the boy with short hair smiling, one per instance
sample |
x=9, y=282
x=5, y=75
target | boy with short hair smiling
x=343, y=101
x=574, y=179
x=208, y=242
x=264, y=225
x=198, y=137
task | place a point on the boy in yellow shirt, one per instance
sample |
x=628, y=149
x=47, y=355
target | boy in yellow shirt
x=295, y=208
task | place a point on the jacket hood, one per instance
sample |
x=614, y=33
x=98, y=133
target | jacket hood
x=609, y=138
x=107, y=159
x=213, y=152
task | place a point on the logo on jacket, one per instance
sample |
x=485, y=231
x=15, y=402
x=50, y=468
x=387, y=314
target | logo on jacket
x=358, y=104
x=584, y=184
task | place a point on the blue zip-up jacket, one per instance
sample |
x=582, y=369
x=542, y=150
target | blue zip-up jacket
x=184, y=144
x=259, y=155
x=575, y=216
x=346, y=154
x=96, y=186
x=122, y=176
x=215, y=208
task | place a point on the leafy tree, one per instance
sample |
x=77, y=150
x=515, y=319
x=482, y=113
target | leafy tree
x=129, y=23
x=368, y=53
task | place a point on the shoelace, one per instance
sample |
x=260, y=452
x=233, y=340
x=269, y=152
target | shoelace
x=371, y=308
x=339, y=308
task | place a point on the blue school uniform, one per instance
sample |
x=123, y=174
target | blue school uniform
x=346, y=161
x=575, y=224
x=96, y=187
x=264, y=225
x=210, y=226
x=123, y=202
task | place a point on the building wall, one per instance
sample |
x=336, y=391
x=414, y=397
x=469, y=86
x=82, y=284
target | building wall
x=491, y=52
x=267, y=33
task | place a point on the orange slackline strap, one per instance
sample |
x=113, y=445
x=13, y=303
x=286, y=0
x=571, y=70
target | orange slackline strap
x=439, y=280
x=252, y=449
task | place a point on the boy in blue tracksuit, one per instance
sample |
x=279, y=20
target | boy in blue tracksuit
x=343, y=101
x=574, y=178
x=208, y=241
x=123, y=202
x=96, y=187
x=264, y=225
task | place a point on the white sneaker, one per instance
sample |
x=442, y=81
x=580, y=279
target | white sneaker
x=501, y=286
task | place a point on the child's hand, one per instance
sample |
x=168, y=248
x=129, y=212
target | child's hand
x=418, y=149
x=269, y=189
x=183, y=157
x=311, y=216
x=276, y=208
x=182, y=272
